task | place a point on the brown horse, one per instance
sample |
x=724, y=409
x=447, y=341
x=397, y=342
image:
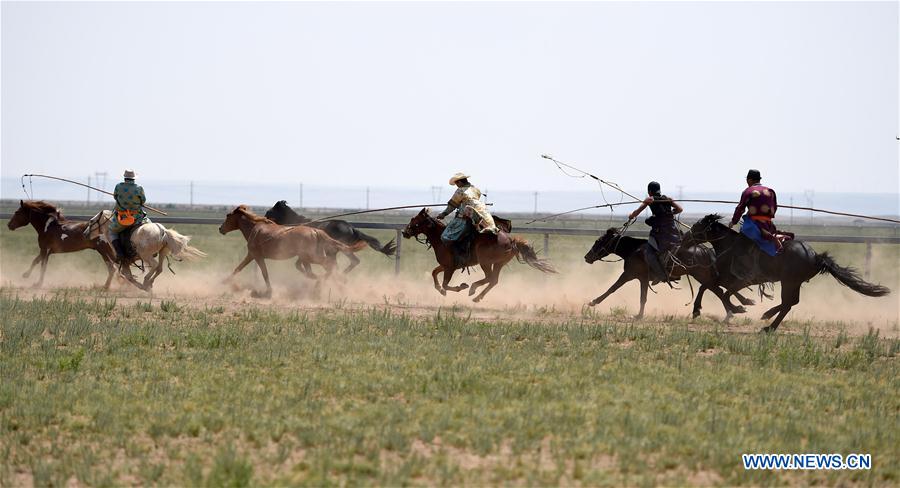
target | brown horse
x=491, y=252
x=268, y=240
x=57, y=235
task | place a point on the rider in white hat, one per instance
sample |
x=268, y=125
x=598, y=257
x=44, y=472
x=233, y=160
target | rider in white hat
x=466, y=200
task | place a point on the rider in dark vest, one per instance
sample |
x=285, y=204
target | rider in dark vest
x=664, y=235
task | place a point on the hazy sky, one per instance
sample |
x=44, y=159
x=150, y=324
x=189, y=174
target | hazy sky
x=405, y=94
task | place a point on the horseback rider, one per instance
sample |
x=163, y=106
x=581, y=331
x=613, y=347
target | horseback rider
x=664, y=235
x=466, y=200
x=129, y=213
x=761, y=204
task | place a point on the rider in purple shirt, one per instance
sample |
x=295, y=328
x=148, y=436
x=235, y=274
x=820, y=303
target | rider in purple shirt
x=761, y=203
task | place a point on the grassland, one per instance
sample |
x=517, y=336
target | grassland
x=202, y=385
x=167, y=393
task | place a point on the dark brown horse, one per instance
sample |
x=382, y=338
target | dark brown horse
x=740, y=263
x=491, y=252
x=268, y=240
x=695, y=261
x=57, y=235
x=340, y=230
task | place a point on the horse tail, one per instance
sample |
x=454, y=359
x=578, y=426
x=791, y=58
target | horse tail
x=180, y=247
x=325, y=244
x=526, y=254
x=849, y=277
x=388, y=249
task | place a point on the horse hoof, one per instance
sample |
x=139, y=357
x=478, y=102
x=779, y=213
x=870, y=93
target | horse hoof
x=261, y=294
x=638, y=317
x=592, y=303
x=26, y=274
x=695, y=315
x=477, y=299
x=766, y=330
x=442, y=292
x=739, y=309
x=463, y=286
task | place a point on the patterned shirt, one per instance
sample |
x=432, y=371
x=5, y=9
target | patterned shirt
x=130, y=196
x=758, y=200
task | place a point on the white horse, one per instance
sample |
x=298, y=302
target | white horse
x=150, y=241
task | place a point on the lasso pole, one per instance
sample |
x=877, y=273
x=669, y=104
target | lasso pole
x=148, y=207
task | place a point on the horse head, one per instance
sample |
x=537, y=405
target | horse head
x=604, y=246
x=707, y=229
x=21, y=218
x=282, y=213
x=98, y=225
x=232, y=220
x=420, y=224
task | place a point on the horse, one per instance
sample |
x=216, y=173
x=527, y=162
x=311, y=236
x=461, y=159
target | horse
x=57, y=235
x=150, y=241
x=340, y=230
x=491, y=252
x=268, y=240
x=796, y=264
x=695, y=261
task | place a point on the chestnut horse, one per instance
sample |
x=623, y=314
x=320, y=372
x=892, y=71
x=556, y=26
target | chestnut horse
x=57, y=235
x=490, y=251
x=268, y=240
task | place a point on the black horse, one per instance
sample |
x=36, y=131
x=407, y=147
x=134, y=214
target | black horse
x=695, y=261
x=741, y=263
x=340, y=230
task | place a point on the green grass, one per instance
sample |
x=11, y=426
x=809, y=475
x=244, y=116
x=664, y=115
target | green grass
x=171, y=394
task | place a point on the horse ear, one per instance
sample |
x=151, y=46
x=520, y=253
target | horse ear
x=21, y=203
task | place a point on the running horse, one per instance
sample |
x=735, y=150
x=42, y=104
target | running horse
x=57, y=235
x=340, y=230
x=490, y=251
x=695, y=261
x=268, y=240
x=792, y=267
x=152, y=244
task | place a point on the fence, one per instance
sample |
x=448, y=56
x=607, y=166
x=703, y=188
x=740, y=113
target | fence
x=545, y=231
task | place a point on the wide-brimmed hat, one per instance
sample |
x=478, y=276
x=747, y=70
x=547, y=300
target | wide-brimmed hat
x=129, y=174
x=457, y=177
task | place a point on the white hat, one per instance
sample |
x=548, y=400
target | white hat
x=129, y=174
x=457, y=177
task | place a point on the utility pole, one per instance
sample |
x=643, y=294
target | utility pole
x=192, y=194
x=809, y=194
x=535, y=203
x=367, y=198
x=89, y=191
x=680, y=193
x=301, y=196
x=98, y=175
x=435, y=193
x=792, y=210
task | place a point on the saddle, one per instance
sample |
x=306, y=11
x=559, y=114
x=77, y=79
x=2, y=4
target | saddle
x=464, y=246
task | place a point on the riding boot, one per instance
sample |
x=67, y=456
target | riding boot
x=121, y=257
x=657, y=273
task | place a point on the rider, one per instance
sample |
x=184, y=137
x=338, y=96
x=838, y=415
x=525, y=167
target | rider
x=761, y=203
x=466, y=200
x=129, y=211
x=664, y=236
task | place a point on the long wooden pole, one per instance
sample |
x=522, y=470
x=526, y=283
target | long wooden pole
x=148, y=207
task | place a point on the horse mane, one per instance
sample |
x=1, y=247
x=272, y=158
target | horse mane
x=245, y=211
x=630, y=244
x=43, y=207
x=712, y=219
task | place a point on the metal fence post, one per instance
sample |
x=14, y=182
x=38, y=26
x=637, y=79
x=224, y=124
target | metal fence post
x=399, y=242
x=868, y=259
x=546, y=245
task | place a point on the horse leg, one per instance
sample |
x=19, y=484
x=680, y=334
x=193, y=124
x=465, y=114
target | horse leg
x=354, y=261
x=240, y=266
x=446, y=284
x=304, y=268
x=698, y=301
x=34, y=263
x=487, y=278
x=623, y=278
x=790, y=296
x=644, y=285
x=744, y=301
x=261, y=262
x=437, y=285
x=43, y=269
x=110, y=267
x=494, y=279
